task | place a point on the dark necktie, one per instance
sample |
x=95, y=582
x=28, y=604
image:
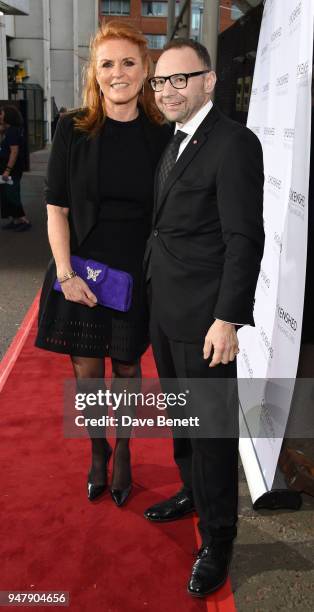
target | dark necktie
x=169, y=158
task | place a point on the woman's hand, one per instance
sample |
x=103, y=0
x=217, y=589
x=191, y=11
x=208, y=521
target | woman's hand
x=76, y=290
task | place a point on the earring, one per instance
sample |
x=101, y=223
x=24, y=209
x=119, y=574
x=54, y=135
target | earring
x=143, y=88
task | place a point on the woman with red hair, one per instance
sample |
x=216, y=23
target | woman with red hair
x=99, y=195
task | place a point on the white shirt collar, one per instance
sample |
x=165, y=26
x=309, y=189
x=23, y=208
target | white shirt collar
x=191, y=126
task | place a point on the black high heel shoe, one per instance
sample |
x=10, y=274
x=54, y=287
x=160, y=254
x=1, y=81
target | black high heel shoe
x=94, y=491
x=120, y=495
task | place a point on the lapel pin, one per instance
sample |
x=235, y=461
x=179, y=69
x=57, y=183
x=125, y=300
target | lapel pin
x=194, y=141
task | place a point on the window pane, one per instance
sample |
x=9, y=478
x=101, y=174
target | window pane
x=157, y=9
x=154, y=9
x=195, y=22
x=126, y=7
x=156, y=41
x=104, y=6
x=115, y=7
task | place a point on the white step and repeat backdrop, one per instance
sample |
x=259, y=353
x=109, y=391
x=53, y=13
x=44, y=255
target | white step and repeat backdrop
x=280, y=115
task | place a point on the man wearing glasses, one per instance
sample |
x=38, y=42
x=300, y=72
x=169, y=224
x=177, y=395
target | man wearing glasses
x=203, y=260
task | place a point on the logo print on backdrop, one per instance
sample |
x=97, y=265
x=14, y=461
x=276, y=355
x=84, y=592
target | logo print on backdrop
x=265, y=279
x=269, y=135
x=288, y=137
x=267, y=419
x=266, y=344
x=92, y=274
x=247, y=363
x=274, y=185
x=265, y=91
x=285, y=316
x=276, y=38
x=294, y=19
x=275, y=182
x=297, y=203
x=282, y=84
x=303, y=74
x=276, y=34
x=302, y=69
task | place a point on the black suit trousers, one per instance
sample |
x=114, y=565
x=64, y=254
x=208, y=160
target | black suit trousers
x=208, y=466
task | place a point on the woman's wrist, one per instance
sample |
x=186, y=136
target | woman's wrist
x=66, y=276
x=64, y=269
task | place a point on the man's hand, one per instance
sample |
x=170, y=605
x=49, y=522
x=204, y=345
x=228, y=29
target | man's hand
x=223, y=339
x=5, y=175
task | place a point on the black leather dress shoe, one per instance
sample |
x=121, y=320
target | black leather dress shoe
x=172, y=509
x=210, y=570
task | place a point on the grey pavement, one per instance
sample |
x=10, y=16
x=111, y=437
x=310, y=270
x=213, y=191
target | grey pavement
x=273, y=565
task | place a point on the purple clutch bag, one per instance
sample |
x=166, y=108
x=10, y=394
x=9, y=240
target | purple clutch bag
x=113, y=288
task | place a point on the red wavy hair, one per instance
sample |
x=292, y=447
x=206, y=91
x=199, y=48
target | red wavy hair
x=94, y=115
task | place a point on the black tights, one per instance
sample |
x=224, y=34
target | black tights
x=122, y=374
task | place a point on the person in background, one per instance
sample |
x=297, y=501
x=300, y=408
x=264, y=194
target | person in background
x=11, y=165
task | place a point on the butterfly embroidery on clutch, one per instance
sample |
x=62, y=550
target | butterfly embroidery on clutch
x=92, y=274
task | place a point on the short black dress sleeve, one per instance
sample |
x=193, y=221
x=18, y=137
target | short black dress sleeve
x=55, y=190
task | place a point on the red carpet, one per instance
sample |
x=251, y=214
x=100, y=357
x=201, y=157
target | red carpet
x=53, y=539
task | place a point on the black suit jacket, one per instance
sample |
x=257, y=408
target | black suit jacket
x=73, y=179
x=203, y=255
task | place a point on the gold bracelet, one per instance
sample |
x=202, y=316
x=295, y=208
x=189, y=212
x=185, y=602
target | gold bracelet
x=67, y=276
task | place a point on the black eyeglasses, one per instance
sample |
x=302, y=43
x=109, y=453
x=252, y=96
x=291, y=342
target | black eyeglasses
x=178, y=81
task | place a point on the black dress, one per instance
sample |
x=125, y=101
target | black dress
x=118, y=239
